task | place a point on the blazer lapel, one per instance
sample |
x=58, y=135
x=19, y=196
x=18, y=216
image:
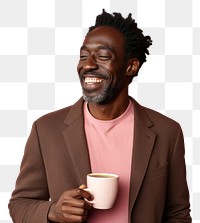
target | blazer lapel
x=75, y=139
x=144, y=139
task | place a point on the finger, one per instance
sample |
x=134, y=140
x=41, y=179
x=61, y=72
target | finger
x=75, y=193
x=86, y=194
x=83, y=186
x=74, y=218
x=79, y=200
x=75, y=211
x=73, y=202
x=80, y=211
x=80, y=193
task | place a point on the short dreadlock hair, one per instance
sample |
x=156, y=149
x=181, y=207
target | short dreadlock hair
x=136, y=43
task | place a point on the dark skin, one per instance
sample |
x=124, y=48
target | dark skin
x=103, y=53
x=103, y=68
x=71, y=207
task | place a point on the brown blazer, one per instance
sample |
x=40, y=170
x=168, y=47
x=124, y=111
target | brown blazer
x=56, y=159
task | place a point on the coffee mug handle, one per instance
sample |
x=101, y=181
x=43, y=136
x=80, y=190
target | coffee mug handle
x=89, y=190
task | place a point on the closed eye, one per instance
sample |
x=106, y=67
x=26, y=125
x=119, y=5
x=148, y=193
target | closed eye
x=83, y=57
x=103, y=57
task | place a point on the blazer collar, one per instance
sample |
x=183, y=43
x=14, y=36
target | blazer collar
x=76, y=112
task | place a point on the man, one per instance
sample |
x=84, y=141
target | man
x=105, y=131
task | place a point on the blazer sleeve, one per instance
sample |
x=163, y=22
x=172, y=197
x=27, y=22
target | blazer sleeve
x=177, y=208
x=30, y=199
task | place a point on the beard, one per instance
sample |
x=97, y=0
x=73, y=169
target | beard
x=109, y=93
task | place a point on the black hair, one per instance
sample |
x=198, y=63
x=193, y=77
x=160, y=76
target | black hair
x=136, y=43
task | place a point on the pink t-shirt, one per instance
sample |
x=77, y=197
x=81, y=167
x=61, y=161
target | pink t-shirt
x=110, y=145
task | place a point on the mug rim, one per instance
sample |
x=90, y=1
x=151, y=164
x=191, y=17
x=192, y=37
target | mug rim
x=113, y=175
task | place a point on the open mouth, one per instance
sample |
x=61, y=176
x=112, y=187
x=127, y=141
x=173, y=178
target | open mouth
x=92, y=80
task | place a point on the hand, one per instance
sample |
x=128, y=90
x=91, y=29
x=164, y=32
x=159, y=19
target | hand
x=71, y=207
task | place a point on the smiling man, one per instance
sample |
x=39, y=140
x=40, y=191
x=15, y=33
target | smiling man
x=102, y=65
x=105, y=131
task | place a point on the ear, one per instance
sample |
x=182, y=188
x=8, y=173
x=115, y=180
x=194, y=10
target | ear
x=132, y=67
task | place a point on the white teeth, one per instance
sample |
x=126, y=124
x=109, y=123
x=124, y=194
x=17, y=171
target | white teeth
x=92, y=80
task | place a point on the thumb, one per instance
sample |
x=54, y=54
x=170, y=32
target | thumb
x=83, y=186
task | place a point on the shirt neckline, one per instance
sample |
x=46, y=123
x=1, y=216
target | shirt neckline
x=108, y=122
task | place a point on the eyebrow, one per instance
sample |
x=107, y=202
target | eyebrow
x=99, y=47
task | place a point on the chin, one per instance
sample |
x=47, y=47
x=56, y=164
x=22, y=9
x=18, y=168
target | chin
x=100, y=99
x=94, y=99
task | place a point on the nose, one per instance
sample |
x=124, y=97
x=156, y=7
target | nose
x=90, y=64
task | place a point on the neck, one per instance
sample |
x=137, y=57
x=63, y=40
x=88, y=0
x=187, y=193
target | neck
x=109, y=111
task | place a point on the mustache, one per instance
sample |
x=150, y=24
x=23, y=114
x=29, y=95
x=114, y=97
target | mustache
x=94, y=74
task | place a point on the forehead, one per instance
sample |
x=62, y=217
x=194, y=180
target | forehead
x=105, y=36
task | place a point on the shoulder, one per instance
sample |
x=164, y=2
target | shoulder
x=155, y=120
x=56, y=118
x=164, y=125
x=158, y=117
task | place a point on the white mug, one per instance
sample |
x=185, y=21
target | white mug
x=104, y=188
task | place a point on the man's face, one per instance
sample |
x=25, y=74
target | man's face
x=101, y=67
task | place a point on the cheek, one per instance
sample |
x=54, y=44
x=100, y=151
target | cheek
x=79, y=67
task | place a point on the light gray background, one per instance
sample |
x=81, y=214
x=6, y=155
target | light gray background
x=39, y=47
